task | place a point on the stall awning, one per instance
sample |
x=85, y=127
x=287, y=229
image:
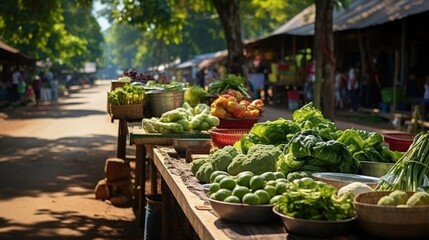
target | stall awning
x=11, y=55
x=359, y=14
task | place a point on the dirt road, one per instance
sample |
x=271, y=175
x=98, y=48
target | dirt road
x=51, y=158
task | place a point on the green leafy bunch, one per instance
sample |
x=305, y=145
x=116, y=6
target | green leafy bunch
x=306, y=198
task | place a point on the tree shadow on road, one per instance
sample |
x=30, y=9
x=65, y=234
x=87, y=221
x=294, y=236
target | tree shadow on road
x=50, y=111
x=72, y=165
x=71, y=225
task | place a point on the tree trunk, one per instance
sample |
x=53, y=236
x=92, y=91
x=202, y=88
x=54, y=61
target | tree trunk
x=228, y=11
x=325, y=60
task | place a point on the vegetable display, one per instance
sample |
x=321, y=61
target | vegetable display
x=307, y=151
x=306, y=198
x=194, y=95
x=229, y=81
x=164, y=86
x=259, y=159
x=180, y=120
x=411, y=171
x=127, y=95
x=400, y=198
x=233, y=105
x=367, y=146
x=247, y=188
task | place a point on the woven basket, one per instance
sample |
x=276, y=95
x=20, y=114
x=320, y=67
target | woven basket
x=116, y=84
x=134, y=111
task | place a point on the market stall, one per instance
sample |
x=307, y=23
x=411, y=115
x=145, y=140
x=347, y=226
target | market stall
x=191, y=198
x=298, y=177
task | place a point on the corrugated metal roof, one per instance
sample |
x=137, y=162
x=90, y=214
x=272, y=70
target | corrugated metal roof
x=359, y=14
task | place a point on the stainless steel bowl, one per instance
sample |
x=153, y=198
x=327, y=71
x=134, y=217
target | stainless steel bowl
x=315, y=228
x=181, y=144
x=376, y=169
x=243, y=213
x=339, y=180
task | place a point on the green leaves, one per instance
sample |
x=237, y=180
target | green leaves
x=308, y=199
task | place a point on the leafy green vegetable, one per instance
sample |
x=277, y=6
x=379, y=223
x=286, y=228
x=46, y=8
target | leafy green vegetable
x=229, y=81
x=195, y=95
x=308, y=199
x=165, y=86
x=126, y=95
x=308, y=117
x=269, y=132
x=308, y=151
x=366, y=146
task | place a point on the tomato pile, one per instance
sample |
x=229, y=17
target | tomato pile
x=232, y=104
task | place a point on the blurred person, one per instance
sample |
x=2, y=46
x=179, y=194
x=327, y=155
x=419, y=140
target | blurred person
x=353, y=88
x=340, y=86
x=21, y=89
x=425, y=100
x=16, y=77
x=373, y=97
x=37, y=86
x=55, y=88
x=413, y=86
x=310, y=72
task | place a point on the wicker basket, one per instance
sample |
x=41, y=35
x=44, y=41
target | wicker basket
x=389, y=222
x=134, y=111
x=116, y=84
x=224, y=137
x=399, y=141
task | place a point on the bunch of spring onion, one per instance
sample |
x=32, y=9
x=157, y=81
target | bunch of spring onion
x=411, y=171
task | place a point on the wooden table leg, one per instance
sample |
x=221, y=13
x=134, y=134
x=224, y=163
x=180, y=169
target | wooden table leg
x=165, y=215
x=153, y=172
x=122, y=139
x=139, y=184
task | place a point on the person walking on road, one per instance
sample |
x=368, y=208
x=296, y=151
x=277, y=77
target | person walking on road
x=16, y=78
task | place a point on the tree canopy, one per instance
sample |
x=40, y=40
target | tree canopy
x=185, y=28
x=52, y=30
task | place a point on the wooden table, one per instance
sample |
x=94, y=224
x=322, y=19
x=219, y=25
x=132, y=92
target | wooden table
x=204, y=221
x=144, y=151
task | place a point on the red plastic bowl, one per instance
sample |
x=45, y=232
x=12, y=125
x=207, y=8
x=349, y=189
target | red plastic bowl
x=226, y=136
x=237, y=123
x=399, y=141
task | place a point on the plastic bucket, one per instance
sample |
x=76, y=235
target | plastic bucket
x=161, y=102
x=152, y=226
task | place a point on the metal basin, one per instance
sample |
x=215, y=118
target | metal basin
x=339, y=180
x=243, y=213
x=182, y=144
x=161, y=102
x=315, y=228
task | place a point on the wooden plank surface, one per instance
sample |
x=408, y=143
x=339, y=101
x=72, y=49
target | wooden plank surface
x=205, y=223
x=202, y=221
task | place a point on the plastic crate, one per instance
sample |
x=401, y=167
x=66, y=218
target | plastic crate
x=399, y=141
x=387, y=95
x=223, y=137
x=293, y=95
x=384, y=107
